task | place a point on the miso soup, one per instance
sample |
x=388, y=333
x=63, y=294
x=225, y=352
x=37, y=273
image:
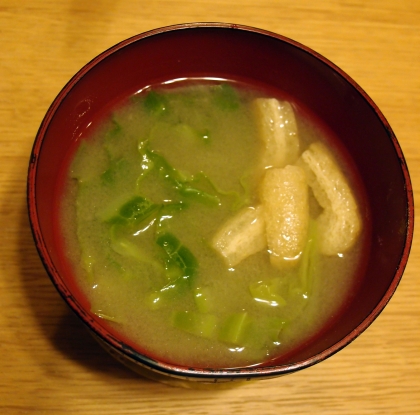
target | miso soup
x=180, y=242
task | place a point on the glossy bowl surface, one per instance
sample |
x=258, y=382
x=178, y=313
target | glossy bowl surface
x=241, y=53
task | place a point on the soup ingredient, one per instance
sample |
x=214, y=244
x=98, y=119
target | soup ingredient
x=278, y=130
x=339, y=223
x=241, y=236
x=267, y=292
x=284, y=195
x=198, y=324
x=246, y=234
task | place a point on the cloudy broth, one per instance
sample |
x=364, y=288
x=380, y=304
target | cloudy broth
x=144, y=196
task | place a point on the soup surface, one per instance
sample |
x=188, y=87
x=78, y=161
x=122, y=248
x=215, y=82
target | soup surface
x=148, y=203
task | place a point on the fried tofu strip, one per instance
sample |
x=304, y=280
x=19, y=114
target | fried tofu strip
x=278, y=130
x=241, y=236
x=284, y=195
x=339, y=223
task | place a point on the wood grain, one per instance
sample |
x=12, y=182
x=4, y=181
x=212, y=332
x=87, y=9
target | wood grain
x=49, y=363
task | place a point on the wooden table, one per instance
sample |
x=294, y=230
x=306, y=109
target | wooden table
x=49, y=364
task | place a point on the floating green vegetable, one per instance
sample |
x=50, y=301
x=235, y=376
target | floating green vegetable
x=266, y=293
x=167, y=212
x=201, y=325
x=180, y=181
x=177, y=256
x=180, y=267
x=115, y=168
x=226, y=97
x=234, y=328
x=137, y=208
x=265, y=333
x=134, y=210
x=155, y=102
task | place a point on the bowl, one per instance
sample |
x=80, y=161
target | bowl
x=229, y=51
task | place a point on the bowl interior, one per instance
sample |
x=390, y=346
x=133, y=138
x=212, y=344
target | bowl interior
x=268, y=60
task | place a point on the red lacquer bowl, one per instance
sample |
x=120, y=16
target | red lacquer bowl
x=269, y=60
